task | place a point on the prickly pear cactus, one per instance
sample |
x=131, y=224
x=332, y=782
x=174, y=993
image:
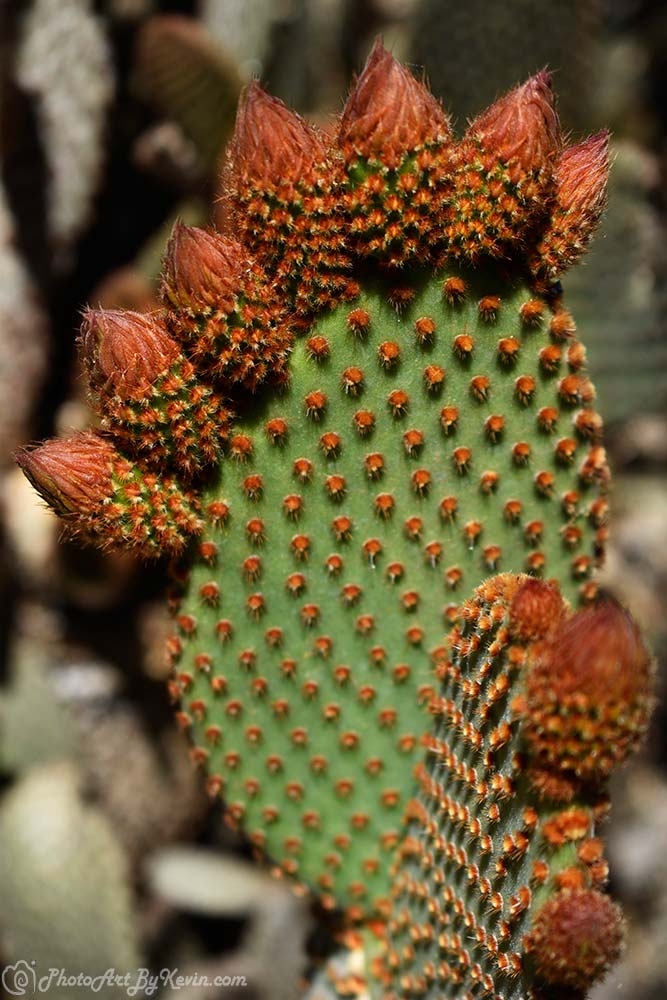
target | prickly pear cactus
x=500, y=873
x=358, y=402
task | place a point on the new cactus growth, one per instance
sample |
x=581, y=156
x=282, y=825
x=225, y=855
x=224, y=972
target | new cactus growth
x=500, y=874
x=358, y=402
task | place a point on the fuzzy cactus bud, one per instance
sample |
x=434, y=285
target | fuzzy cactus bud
x=107, y=499
x=588, y=693
x=581, y=176
x=279, y=197
x=128, y=351
x=219, y=303
x=389, y=113
x=522, y=127
x=575, y=938
x=508, y=152
x=148, y=393
x=272, y=146
x=396, y=148
x=536, y=610
x=202, y=270
x=73, y=476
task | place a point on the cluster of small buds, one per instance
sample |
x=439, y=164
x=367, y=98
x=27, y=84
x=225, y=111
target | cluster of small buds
x=526, y=881
x=393, y=182
x=300, y=205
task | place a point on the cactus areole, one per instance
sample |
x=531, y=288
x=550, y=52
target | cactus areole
x=359, y=401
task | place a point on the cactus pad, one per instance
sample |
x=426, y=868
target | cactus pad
x=501, y=871
x=409, y=456
x=382, y=401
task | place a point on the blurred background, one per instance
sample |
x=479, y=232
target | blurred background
x=113, y=120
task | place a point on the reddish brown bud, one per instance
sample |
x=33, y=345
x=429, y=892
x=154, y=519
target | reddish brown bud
x=72, y=475
x=104, y=497
x=588, y=693
x=389, y=112
x=126, y=350
x=536, y=610
x=581, y=190
x=522, y=125
x=576, y=936
x=223, y=307
x=599, y=652
x=271, y=144
x=202, y=269
x=581, y=179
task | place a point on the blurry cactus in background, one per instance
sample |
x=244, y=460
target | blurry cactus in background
x=621, y=290
x=64, y=880
x=23, y=339
x=464, y=50
x=243, y=27
x=65, y=62
x=185, y=76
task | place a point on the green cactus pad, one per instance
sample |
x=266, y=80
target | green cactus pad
x=337, y=546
